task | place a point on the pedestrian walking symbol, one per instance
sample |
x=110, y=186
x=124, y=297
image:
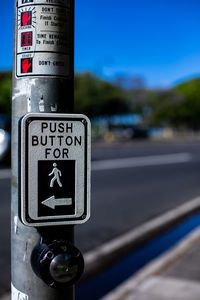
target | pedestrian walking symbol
x=57, y=173
x=56, y=187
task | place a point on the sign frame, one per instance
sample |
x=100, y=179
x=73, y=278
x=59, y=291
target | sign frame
x=24, y=160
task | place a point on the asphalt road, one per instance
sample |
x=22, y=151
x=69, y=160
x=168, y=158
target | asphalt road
x=131, y=183
x=126, y=196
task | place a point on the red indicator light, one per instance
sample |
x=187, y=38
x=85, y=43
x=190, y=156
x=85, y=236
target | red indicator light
x=26, y=39
x=26, y=18
x=26, y=65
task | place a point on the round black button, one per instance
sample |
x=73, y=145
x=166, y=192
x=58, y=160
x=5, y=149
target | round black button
x=58, y=264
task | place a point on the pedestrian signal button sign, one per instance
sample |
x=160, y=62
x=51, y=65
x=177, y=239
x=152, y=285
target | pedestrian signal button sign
x=55, y=169
x=43, y=34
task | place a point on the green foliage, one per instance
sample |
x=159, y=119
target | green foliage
x=177, y=107
x=5, y=92
x=166, y=108
x=190, y=107
x=87, y=94
x=95, y=97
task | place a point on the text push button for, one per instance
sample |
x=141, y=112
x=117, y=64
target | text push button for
x=55, y=156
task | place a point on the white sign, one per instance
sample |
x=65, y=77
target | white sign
x=42, y=63
x=43, y=38
x=55, y=169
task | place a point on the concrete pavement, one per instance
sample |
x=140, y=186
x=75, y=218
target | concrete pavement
x=175, y=275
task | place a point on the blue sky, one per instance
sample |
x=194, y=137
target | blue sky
x=155, y=39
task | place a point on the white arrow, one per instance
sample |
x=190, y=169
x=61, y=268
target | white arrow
x=52, y=202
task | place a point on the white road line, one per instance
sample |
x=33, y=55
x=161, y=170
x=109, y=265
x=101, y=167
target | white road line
x=144, y=161
x=5, y=173
x=130, y=162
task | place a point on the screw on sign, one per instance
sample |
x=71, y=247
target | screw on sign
x=26, y=18
x=26, y=65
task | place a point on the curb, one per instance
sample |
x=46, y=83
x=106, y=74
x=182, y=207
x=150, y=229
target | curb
x=154, y=268
x=104, y=256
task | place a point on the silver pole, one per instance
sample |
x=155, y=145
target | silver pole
x=43, y=72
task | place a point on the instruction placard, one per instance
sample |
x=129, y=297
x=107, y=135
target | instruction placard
x=55, y=169
x=43, y=38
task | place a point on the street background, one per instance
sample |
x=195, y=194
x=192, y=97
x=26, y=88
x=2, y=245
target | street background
x=137, y=77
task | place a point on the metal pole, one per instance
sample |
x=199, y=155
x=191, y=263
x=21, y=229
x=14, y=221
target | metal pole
x=43, y=75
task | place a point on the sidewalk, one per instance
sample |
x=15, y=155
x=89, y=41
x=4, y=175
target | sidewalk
x=173, y=276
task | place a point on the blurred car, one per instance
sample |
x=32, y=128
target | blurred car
x=139, y=132
x=5, y=138
x=124, y=132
